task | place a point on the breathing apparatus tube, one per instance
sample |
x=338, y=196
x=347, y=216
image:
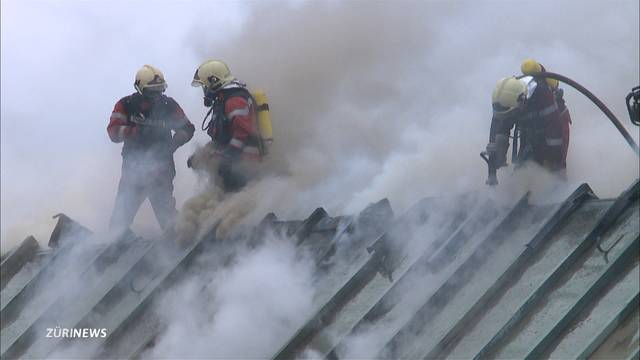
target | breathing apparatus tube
x=596, y=101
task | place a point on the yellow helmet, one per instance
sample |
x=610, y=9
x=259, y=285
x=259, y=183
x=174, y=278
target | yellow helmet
x=212, y=75
x=532, y=67
x=148, y=77
x=508, y=95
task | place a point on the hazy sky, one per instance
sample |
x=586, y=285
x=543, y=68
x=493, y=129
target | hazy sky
x=64, y=66
x=370, y=100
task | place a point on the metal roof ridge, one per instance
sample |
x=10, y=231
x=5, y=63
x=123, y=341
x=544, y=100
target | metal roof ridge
x=505, y=222
x=602, y=225
x=614, y=268
x=568, y=207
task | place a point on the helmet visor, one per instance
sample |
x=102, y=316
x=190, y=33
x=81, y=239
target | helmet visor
x=156, y=87
x=197, y=81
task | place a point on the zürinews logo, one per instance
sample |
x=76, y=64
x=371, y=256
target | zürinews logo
x=58, y=332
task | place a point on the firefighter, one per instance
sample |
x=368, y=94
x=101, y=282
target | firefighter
x=235, y=140
x=534, y=107
x=152, y=126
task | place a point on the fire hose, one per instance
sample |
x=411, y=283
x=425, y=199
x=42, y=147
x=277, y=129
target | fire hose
x=492, y=180
x=598, y=103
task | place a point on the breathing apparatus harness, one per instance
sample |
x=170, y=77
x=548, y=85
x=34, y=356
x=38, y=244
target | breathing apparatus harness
x=526, y=122
x=213, y=103
x=216, y=102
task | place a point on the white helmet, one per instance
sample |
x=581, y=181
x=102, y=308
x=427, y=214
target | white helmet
x=148, y=77
x=212, y=75
x=508, y=95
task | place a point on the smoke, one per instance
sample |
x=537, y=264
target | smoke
x=369, y=100
x=382, y=100
x=392, y=100
x=245, y=311
x=406, y=101
x=64, y=66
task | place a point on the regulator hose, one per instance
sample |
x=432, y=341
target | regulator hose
x=595, y=100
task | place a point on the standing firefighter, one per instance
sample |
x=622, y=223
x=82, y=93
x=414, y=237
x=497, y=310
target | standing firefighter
x=238, y=144
x=535, y=109
x=144, y=121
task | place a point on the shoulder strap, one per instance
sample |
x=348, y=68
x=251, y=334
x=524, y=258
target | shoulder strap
x=245, y=93
x=239, y=91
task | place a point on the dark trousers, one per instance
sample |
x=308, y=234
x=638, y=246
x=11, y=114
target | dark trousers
x=134, y=188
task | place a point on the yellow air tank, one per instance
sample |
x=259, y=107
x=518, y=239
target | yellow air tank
x=264, y=117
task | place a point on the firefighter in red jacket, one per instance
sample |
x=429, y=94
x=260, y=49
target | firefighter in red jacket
x=534, y=107
x=232, y=128
x=152, y=126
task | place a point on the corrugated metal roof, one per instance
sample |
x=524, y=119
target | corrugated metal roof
x=461, y=278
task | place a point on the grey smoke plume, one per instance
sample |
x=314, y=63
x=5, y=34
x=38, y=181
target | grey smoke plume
x=244, y=311
x=393, y=99
x=387, y=99
x=64, y=66
x=369, y=100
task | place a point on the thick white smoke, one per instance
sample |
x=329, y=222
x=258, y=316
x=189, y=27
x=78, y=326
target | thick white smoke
x=64, y=66
x=369, y=100
x=387, y=99
x=401, y=110
x=244, y=311
x=393, y=100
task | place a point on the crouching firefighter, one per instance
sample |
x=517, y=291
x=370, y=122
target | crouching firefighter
x=239, y=125
x=151, y=126
x=535, y=109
